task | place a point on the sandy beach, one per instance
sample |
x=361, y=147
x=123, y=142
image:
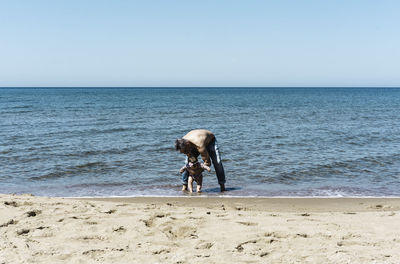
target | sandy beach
x=199, y=230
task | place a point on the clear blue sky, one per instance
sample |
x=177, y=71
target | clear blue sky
x=200, y=43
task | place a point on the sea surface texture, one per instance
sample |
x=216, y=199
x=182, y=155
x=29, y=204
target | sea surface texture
x=273, y=142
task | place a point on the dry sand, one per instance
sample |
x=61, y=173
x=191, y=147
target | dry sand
x=199, y=230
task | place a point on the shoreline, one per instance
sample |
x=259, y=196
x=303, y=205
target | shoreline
x=221, y=196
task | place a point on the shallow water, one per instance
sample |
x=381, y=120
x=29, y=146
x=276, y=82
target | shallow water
x=274, y=142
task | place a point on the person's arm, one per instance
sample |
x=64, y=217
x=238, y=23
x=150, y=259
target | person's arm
x=204, y=156
x=205, y=167
x=182, y=169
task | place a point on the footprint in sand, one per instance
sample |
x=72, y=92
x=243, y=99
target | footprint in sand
x=111, y=211
x=195, y=218
x=161, y=215
x=12, y=203
x=10, y=222
x=305, y=214
x=202, y=256
x=204, y=245
x=173, y=231
x=149, y=222
x=119, y=229
x=254, y=247
x=93, y=252
x=350, y=236
x=221, y=215
x=276, y=235
x=23, y=232
x=33, y=213
x=161, y=251
x=94, y=237
x=247, y=223
x=240, y=247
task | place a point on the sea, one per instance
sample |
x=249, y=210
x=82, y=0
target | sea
x=274, y=142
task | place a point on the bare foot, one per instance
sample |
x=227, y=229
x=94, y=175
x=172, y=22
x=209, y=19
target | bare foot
x=184, y=187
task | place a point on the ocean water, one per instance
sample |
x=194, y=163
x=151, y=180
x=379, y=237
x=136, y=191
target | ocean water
x=273, y=141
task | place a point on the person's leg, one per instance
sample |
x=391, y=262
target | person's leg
x=185, y=176
x=190, y=184
x=215, y=156
x=199, y=183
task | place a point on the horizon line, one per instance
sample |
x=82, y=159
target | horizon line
x=183, y=87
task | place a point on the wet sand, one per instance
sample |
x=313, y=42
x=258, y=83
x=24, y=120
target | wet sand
x=198, y=230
